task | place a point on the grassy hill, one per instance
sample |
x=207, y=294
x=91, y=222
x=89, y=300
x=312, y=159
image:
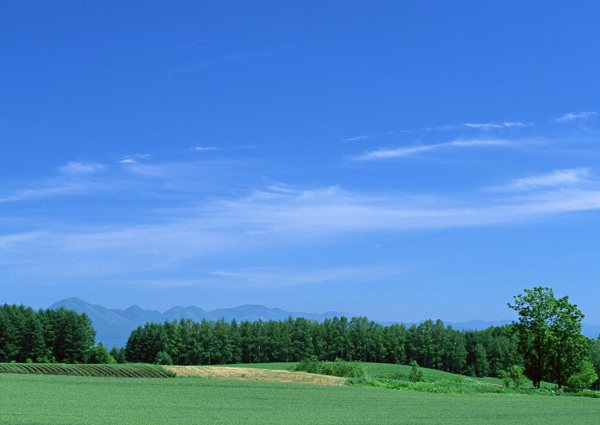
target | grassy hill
x=53, y=400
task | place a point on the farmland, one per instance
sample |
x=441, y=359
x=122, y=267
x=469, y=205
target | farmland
x=103, y=370
x=255, y=374
x=37, y=399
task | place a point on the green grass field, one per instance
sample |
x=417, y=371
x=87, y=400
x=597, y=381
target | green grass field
x=40, y=399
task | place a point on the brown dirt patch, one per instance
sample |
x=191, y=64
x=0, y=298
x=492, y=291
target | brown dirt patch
x=250, y=374
x=485, y=383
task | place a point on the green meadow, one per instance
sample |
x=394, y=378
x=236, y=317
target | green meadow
x=47, y=399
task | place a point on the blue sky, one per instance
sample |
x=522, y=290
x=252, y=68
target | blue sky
x=400, y=160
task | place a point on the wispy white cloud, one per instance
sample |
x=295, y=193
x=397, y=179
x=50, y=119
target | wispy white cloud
x=575, y=116
x=267, y=277
x=356, y=138
x=132, y=159
x=81, y=168
x=280, y=217
x=204, y=148
x=8, y=241
x=73, y=179
x=452, y=127
x=48, y=190
x=413, y=150
x=558, y=178
x=492, y=126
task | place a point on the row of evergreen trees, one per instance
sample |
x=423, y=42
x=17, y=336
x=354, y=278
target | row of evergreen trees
x=67, y=337
x=430, y=344
x=45, y=336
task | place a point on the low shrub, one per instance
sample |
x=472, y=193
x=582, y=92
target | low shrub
x=309, y=365
x=343, y=369
x=338, y=368
x=416, y=374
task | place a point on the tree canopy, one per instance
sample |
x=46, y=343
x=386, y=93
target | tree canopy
x=45, y=335
x=549, y=330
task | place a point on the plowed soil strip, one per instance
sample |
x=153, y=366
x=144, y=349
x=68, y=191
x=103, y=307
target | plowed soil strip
x=247, y=374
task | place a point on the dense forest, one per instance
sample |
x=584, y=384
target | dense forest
x=430, y=343
x=67, y=337
x=45, y=336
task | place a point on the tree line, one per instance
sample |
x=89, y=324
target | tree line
x=546, y=342
x=431, y=344
x=43, y=336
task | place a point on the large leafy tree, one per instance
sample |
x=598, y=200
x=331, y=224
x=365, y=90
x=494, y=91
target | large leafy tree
x=550, y=335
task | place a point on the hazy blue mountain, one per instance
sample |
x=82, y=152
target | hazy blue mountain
x=137, y=315
x=194, y=313
x=113, y=326
x=476, y=325
x=591, y=331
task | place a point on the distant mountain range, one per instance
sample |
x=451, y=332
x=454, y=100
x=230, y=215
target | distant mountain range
x=114, y=326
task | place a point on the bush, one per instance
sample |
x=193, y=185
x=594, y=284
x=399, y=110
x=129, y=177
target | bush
x=343, y=369
x=99, y=355
x=584, y=378
x=505, y=376
x=517, y=374
x=416, y=374
x=514, y=374
x=310, y=365
x=163, y=358
x=339, y=368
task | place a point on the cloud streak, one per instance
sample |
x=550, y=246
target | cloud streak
x=382, y=154
x=191, y=222
x=558, y=178
x=270, y=277
x=494, y=126
x=204, y=148
x=81, y=168
x=356, y=138
x=277, y=218
x=575, y=116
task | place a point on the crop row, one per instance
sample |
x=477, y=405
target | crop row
x=120, y=371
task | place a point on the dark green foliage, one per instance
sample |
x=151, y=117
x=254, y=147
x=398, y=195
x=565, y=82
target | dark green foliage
x=163, y=358
x=343, y=369
x=514, y=374
x=595, y=360
x=481, y=366
x=430, y=344
x=118, y=354
x=505, y=376
x=339, y=367
x=550, y=335
x=44, y=336
x=517, y=374
x=310, y=365
x=583, y=378
x=99, y=355
x=416, y=374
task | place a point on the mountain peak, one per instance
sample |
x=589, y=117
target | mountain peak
x=113, y=326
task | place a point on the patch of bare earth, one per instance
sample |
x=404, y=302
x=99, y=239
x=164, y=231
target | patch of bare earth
x=248, y=374
x=484, y=383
